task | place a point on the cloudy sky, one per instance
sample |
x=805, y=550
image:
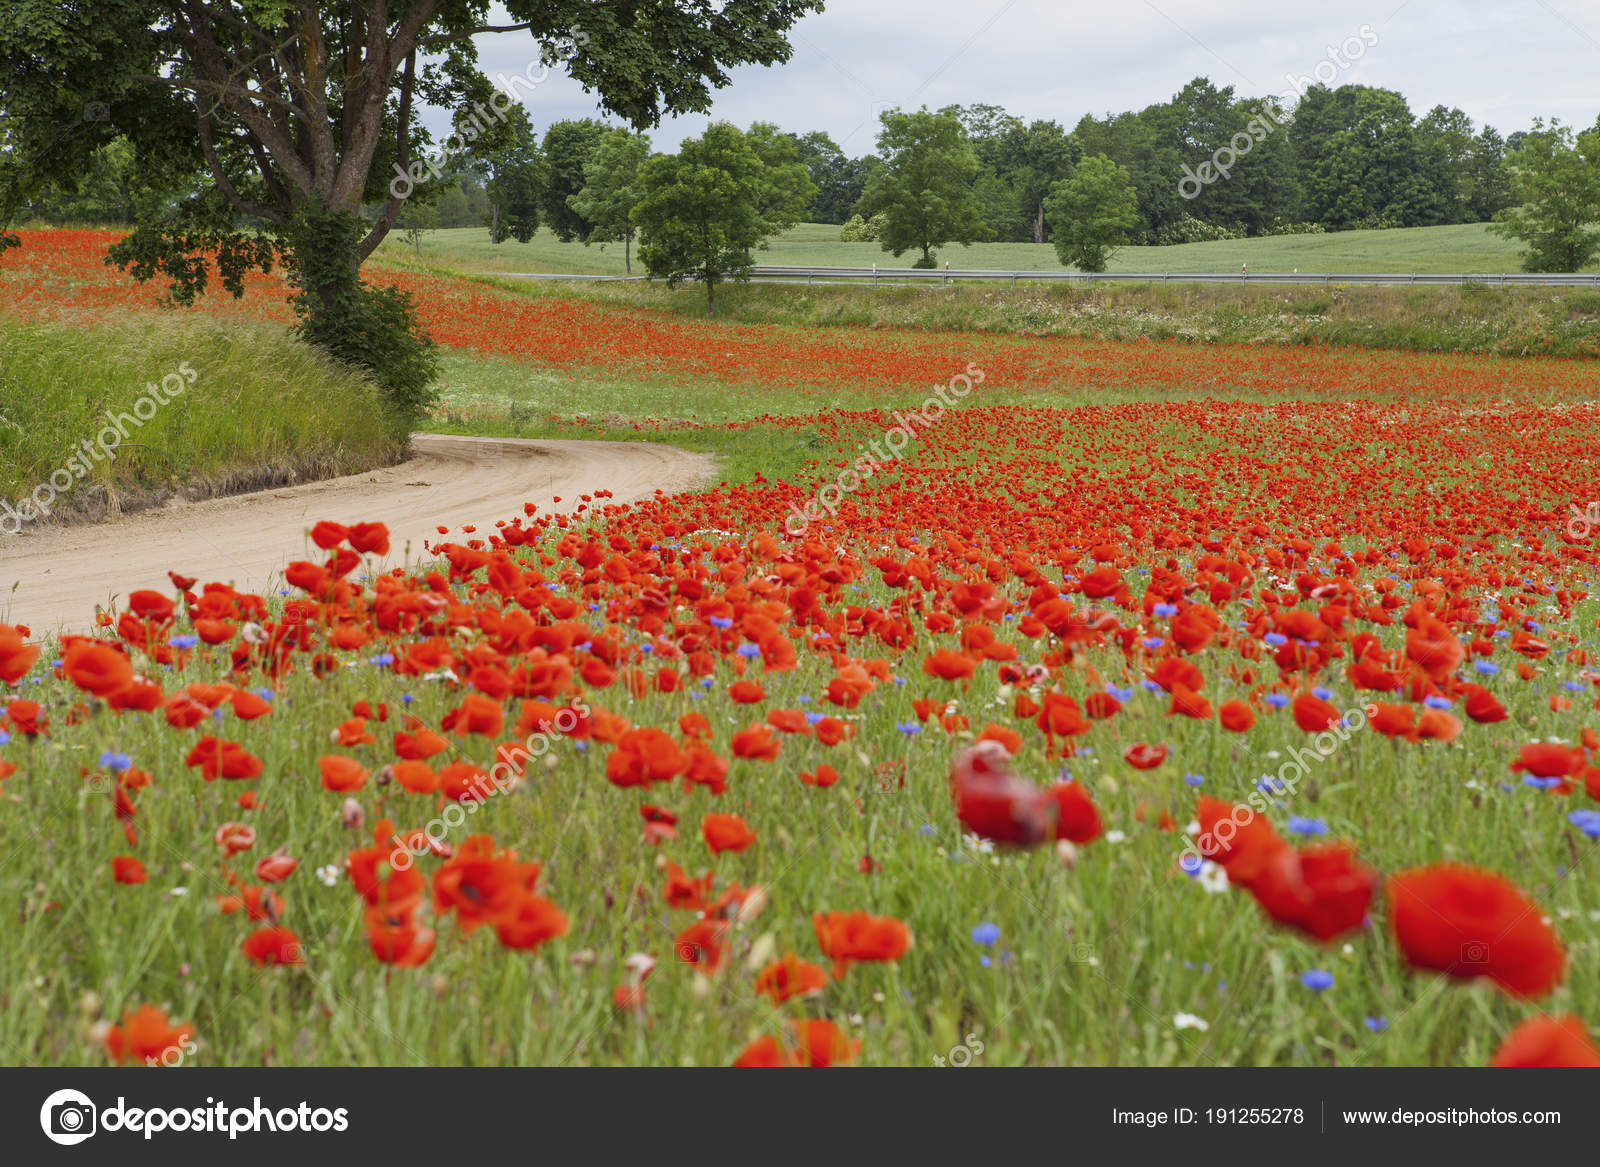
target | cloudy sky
x=1502, y=61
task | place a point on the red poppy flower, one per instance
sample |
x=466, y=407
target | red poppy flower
x=1548, y=1041
x=16, y=657
x=146, y=1035
x=97, y=668
x=340, y=773
x=1142, y=756
x=849, y=937
x=273, y=945
x=790, y=977
x=726, y=832
x=1236, y=716
x=814, y=1043
x=127, y=869
x=1467, y=923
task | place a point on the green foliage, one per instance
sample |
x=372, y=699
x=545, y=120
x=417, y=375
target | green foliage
x=925, y=187
x=785, y=189
x=1555, y=179
x=567, y=148
x=611, y=189
x=859, y=230
x=518, y=179
x=1094, y=212
x=259, y=409
x=699, y=214
x=373, y=329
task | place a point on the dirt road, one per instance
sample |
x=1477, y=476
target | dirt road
x=52, y=579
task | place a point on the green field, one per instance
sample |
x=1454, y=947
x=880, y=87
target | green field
x=1465, y=248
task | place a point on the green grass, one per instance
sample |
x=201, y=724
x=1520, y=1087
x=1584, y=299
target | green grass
x=1465, y=248
x=488, y=397
x=250, y=407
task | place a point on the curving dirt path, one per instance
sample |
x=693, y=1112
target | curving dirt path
x=53, y=579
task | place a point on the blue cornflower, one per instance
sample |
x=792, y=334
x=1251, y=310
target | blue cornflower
x=749, y=651
x=1120, y=694
x=184, y=641
x=1317, y=979
x=1194, y=779
x=115, y=761
x=383, y=660
x=1165, y=609
x=1276, y=639
x=1541, y=783
x=1322, y=694
x=1306, y=826
x=1587, y=821
x=986, y=934
x=1487, y=667
x=1277, y=700
x=1573, y=686
x=1436, y=702
x=4, y=737
x=1190, y=863
x=1376, y=1024
x=813, y=717
x=908, y=727
x=721, y=622
x=1150, y=686
x=1152, y=642
x=647, y=648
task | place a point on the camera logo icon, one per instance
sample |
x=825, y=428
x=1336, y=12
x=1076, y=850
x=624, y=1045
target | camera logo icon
x=68, y=1117
x=1474, y=952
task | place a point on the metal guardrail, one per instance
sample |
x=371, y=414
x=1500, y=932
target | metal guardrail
x=944, y=276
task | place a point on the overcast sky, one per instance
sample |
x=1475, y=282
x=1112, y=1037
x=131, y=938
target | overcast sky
x=1502, y=61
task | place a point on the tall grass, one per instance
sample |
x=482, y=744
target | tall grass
x=233, y=407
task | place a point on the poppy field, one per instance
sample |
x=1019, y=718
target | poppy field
x=1041, y=702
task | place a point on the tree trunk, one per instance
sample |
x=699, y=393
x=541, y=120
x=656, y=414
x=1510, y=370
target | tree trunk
x=1038, y=225
x=711, y=298
x=627, y=245
x=494, y=228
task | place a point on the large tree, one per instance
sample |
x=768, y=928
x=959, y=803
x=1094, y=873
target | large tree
x=1094, y=213
x=1555, y=180
x=925, y=186
x=269, y=124
x=701, y=211
x=567, y=147
x=611, y=190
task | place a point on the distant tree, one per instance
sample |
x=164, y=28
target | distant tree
x=1444, y=149
x=103, y=193
x=786, y=187
x=416, y=217
x=840, y=181
x=1486, y=184
x=699, y=212
x=567, y=146
x=517, y=179
x=1555, y=182
x=925, y=187
x=1093, y=212
x=611, y=190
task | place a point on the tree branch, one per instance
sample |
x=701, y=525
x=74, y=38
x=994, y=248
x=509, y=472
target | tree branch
x=391, y=209
x=225, y=184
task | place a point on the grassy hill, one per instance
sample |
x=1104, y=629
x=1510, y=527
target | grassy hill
x=1464, y=248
